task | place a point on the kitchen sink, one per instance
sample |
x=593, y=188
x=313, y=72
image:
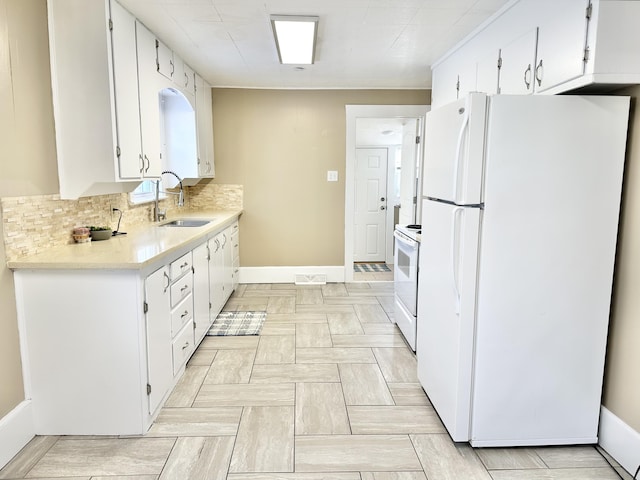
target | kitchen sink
x=186, y=223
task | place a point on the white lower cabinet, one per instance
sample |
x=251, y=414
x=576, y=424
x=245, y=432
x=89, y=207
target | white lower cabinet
x=201, y=300
x=157, y=307
x=105, y=347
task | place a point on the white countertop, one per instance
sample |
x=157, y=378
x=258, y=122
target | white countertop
x=136, y=250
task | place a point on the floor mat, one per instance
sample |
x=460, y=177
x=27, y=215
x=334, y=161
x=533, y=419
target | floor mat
x=371, y=267
x=237, y=323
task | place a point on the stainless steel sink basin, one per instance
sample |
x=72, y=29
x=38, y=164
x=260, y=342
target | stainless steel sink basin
x=187, y=222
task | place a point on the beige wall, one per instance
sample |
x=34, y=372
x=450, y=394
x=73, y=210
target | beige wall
x=622, y=389
x=280, y=144
x=27, y=156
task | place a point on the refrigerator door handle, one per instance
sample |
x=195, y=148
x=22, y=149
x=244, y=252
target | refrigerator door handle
x=456, y=165
x=455, y=255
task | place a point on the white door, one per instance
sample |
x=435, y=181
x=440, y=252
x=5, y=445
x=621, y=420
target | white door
x=370, y=205
x=446, y=311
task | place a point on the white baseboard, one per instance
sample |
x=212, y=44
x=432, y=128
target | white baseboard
x=16, y=430
x=619, y=440
x=288, y=274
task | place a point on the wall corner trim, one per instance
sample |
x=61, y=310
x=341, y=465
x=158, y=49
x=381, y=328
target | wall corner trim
x=16, y=430
x=619, y=440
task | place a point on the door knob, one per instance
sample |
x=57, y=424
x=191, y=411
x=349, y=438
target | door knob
x=382, y=199
x=382, y=207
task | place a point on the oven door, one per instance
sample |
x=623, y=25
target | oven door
x=405, y=273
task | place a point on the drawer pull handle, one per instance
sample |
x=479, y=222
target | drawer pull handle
x=186, y=312
x=184, y=288
x=185, y=346
x=185, y=264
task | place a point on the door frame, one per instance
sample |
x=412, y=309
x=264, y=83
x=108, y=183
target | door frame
x=353, y=112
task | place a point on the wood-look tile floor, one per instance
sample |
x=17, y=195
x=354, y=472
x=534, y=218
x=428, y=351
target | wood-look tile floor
x=328, y=391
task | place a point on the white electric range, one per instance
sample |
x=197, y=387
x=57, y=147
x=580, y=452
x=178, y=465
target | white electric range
x=405, y=277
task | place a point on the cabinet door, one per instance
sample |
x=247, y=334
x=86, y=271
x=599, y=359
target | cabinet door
x=227, y=248
x=487, y=73
x=149, y=102
x=158, y=325
x=561, y=43
x=216, y=276
x=187, y=79
x=205, y=128
x=517, y=65
x=164, y=59
x=125, y=72
x=201, y=260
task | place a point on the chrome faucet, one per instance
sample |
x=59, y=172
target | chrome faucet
x=162, y=214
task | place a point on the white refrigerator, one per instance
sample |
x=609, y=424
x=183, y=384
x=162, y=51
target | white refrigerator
x=521, y=198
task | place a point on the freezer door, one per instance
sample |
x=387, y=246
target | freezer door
x=454, y=151
x=446, y=311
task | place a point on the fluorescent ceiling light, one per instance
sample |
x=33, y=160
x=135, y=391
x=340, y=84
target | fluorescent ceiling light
x=295, y=38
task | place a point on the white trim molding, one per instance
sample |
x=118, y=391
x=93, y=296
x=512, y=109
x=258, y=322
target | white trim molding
x=619, y=440
x=353, y=112
x=16, y=430
x=288, y=274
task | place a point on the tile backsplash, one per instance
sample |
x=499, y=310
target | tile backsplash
x=36, y=223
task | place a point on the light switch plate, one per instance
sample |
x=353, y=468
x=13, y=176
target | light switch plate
x=332, y=176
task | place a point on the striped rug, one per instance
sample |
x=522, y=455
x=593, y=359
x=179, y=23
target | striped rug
x=370, y=267
x=237, y=323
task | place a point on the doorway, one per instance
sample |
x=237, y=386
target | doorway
x=378, y=196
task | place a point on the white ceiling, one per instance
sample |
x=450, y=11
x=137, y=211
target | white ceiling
x=361, y=43
x=373, y=132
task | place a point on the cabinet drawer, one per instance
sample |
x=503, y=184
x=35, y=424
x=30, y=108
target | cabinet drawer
x=181, y=314
x=180, y=266
x=182, y=347
x=181, y=289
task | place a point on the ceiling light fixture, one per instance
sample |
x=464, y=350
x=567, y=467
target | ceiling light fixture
x=295, y=38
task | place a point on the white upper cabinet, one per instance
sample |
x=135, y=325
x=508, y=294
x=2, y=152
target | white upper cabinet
x=107, y=99
x=487, y=72
x=88, y=121
x=562, y=36
x=149, y=92
x=517, y=65
x=125, y=70
x=184, y=76
x=547, y=47
x=164, y=59
x=204, y=118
